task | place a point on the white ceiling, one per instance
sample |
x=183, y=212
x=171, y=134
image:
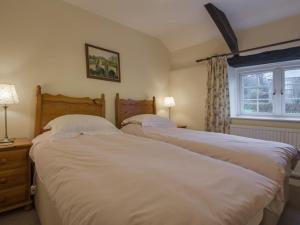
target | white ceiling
x=183, y=23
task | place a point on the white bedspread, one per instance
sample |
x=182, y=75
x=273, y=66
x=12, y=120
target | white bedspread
x=123, y=179
x=271, y=159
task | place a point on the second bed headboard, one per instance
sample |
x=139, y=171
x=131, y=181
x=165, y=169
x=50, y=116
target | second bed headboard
x=125, y=108
x=48, y=107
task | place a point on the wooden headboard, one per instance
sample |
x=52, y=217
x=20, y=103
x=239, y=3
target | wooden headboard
x=48, y=107
x=125, y=108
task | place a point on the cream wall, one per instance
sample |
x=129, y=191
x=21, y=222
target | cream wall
x=185, y=70
x=42, y=42
x=185, y=85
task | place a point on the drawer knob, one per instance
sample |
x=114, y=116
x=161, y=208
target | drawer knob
x=3, y=180
x=2, y=199
x=3, y=161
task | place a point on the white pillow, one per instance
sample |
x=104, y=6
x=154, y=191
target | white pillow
x=74, y=125
x=149, y=120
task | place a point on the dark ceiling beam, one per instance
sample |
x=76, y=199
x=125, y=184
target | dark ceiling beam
x=274, y=56
x=224, y=26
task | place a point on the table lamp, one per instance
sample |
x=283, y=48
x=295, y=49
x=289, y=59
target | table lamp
x=8, y=96
x=169, y=102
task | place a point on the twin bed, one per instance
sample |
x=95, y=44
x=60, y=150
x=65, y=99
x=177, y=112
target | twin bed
x=105, y=176
x=274, y=160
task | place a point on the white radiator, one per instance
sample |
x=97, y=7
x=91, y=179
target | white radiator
x=289, y=136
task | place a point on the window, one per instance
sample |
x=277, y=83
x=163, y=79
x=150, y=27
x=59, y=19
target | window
x=267, y=90
x=256, y=96
x=292, y=91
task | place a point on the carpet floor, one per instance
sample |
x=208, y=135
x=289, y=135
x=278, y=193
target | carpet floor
x=20, y=217
x=290, y=216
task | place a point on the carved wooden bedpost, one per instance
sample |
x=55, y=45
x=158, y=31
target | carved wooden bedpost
x=103, y=105
x=118, y=123
x=154, y=105
x=38, y=112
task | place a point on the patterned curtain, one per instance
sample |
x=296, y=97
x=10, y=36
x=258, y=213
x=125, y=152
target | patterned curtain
x=217, y=103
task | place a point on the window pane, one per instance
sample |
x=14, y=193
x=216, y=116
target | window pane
x=250, y=93
x=292, y=105
x=265, y=106
x=250, y=80
x=250, y=106
x=292, y=91
x=266, y=79
x=265, y=93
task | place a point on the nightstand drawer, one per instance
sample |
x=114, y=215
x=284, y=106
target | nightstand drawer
x=15, y=175
x=13, y=178
x=13, y=159
x=13, y=196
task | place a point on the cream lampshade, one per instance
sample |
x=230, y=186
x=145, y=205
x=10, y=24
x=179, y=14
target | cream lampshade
x=169, y=102
x=8, y=96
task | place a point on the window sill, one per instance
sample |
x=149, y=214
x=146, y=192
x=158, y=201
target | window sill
x=267, y=118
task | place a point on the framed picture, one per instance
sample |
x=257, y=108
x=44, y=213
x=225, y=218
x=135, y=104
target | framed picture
x=102, y=63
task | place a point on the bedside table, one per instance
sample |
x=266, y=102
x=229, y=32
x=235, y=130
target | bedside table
x=181, y=126
x=15, y=175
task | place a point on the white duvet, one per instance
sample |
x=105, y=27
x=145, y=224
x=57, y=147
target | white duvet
x=271, y=159
x=121, y=179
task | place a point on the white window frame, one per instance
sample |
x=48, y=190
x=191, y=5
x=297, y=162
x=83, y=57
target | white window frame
x=278, y=85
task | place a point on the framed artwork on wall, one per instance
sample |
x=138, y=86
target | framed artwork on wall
x=102, y=63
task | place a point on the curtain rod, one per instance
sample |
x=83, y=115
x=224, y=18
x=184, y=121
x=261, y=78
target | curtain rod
x=249, y=49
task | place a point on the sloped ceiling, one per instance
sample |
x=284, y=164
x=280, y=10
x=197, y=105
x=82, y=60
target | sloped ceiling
x=184, y=23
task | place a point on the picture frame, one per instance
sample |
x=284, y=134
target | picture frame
x=102, y=63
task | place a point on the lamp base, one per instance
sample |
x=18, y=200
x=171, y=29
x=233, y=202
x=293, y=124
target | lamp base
x=7, y=141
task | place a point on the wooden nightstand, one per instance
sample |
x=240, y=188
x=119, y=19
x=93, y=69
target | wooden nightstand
x=181, y=126
x=15, y=175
